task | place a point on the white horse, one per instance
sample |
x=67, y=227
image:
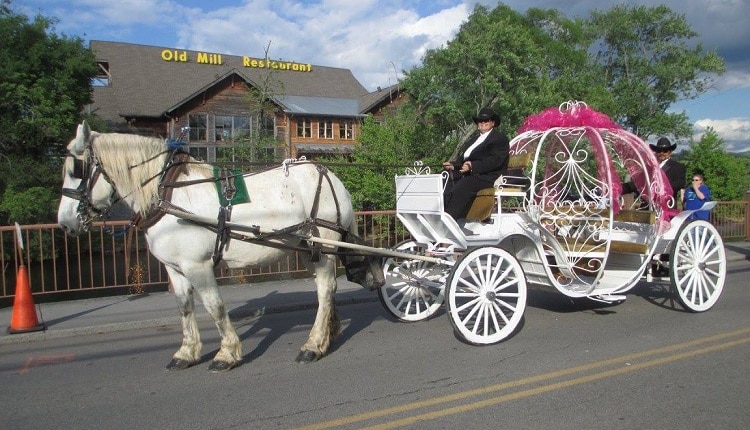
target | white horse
x=302, y=199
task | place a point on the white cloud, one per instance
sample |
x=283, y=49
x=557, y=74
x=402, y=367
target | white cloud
x=734, y=131
x=376, y=40
x=734, y=79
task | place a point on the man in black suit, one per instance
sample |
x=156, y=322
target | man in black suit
x=481, y=161
x=674, y=170
x=675, y=173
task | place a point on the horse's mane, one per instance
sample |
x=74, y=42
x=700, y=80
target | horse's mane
x=134, y=164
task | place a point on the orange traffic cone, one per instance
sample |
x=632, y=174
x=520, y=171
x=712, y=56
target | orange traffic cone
x=23, y=319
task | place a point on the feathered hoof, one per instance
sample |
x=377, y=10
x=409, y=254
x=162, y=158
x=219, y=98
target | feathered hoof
x=306, y=357
x=221, y=366
x=179, y=364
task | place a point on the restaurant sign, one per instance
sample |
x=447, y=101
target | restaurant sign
x=182, y=56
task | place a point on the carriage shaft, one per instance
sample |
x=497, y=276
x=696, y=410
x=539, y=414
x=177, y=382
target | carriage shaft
x=256, y=231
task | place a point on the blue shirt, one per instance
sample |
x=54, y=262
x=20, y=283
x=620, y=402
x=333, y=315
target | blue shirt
x=693, y=202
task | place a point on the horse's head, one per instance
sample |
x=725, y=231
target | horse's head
x=87, y=193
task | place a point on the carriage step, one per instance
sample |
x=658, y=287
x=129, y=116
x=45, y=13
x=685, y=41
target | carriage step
x=609, y=298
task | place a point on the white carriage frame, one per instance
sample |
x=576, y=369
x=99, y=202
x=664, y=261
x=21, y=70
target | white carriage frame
x=569, y=244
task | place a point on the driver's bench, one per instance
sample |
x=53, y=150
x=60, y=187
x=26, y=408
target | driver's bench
x=513, y=184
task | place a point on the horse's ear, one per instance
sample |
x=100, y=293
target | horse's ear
x=82, y=136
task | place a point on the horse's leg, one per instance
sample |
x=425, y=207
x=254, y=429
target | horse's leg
x=230, y=353
x=190, y=351
x=327, y=324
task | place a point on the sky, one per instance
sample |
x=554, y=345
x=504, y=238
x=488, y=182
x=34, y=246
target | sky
x=377, y=40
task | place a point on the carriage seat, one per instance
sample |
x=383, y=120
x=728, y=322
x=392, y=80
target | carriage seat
x=633, y=225
x=513, y=183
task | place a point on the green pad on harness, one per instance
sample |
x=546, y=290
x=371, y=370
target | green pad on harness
x=240, y=194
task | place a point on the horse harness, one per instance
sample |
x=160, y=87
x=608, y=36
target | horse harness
x=89, y=170
x=308, y=227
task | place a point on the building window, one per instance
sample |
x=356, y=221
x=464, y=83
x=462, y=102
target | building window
x=102, y=78
x=304, y=127
x=197, y=123
x=325, y=129
x=229, y=127
x=346, y=129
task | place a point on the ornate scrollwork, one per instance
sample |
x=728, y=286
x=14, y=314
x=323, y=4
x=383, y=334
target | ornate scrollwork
x=419, y=168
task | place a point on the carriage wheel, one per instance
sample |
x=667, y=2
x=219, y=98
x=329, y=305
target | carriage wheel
x=413, y=289
x=486, y=295
x=698, y=265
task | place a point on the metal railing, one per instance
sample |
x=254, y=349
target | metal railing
x=102, y=261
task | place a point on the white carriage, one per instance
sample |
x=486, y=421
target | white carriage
x=559, y=220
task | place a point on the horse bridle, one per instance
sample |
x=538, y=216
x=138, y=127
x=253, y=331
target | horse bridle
x=88, y=171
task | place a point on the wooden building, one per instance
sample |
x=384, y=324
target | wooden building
x=218, y=103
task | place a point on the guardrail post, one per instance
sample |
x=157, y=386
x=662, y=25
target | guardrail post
x=747, y=215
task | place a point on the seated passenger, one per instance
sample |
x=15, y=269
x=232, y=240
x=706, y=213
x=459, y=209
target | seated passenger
x=482, y=159
x=697, y=194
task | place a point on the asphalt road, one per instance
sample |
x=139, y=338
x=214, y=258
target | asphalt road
x=643, y=364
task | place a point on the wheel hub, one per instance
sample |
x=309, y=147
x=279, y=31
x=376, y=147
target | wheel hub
x=702, y=266
x=490, y=296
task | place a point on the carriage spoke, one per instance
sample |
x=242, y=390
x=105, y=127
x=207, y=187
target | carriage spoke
x=500, y=312
x=468, y=304
x=495, y=311
x=475, y=306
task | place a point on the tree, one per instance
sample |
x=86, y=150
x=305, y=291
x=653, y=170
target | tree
x=649, y=65
x=516, y=64
x=727, y=175
x=46, y=82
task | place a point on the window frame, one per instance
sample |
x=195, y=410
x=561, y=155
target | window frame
x=304, y=127
x=325, y=128
x=194, y=135
x=346, y=129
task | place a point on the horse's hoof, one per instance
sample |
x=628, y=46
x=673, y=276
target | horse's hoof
x=221, y=366
x=306, y=357
x=178, y=364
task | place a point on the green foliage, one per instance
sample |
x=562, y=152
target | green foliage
x=31, y=189
x=516, y=64
x=24, y=204
x=727, y=175
x=46, y=82
x=649, y=64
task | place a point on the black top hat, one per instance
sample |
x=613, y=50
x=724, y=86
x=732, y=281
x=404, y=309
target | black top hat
x=487, y=114
x=663, y=145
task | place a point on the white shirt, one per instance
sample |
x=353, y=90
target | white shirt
x=476, y=143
